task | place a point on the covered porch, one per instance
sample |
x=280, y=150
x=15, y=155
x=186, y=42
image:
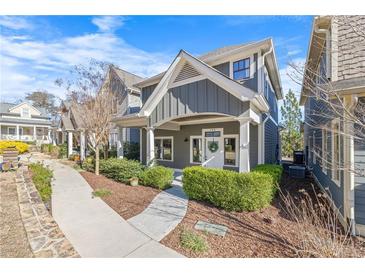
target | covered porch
x=209, y=140
x=27, y=133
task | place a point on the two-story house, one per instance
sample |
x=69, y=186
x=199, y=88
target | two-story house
x=24, y=122
x=71, y=130
x=333, y=89
x=216, y=110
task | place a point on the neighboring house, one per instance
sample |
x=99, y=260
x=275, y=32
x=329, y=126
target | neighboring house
x=70, y=128
x=217, y=110
x=24, y=122
x=333, y=154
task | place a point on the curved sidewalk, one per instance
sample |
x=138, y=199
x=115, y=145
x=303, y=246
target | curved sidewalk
x=93, y=228
x=164, y=213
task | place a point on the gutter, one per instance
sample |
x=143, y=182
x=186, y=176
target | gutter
x=328, y=48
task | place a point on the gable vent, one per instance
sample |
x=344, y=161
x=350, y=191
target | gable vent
x=188, y=71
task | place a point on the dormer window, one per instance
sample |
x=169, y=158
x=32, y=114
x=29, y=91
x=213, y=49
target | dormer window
x=25, y=112
x=241, y=69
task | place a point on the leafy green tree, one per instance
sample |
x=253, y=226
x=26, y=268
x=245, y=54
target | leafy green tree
x=291, y=136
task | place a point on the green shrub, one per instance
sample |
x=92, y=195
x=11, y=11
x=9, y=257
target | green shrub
x=228, y=189
x=42, y=177
x=158, y=177
x=131, y=150
x=120, y=170
x=275, y=171
x=193, y=241
x=62, y=151
x=88, y=164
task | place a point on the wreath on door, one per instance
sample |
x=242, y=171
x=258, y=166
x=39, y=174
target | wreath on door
x=213, y=146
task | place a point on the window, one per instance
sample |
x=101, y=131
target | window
x=230, y=155
x=11, y=131
x=25, y=112
x=196, y=149
x=163, y=148
x=336, y=151
x=241, y=69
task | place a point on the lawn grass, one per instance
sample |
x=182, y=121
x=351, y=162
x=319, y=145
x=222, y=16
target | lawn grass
x=101, y=192
x=193, y=241
x=42, y=177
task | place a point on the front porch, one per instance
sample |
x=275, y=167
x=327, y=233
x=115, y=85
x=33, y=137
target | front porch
x=25, y=133
x=209, y=140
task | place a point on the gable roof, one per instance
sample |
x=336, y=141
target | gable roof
x=265, y=44
x=128, y=78
x=228, y=84
x=7, y=107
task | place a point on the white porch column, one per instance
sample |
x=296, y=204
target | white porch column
x=150, y=148
x=49, y=135
x=120, y=143
x=260, y=140
x=69, y=143
x=82, y=145
x=244, y=146
x=17, y=132
x=34, y=133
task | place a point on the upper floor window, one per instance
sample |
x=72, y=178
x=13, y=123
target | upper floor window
x=25, y=112
x=241, y=69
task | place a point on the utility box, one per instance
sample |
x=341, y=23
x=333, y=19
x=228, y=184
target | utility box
x=297, y=172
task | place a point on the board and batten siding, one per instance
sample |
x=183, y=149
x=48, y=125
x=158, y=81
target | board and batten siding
x=360, y=182
x=202, y=96
x=223, y=68
x=271, y=142
x=146, y=92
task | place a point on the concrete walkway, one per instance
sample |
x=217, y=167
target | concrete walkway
x=93, y=228
x=164, y=213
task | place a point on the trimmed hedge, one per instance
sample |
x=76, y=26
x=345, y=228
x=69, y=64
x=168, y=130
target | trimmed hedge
x=120, y=170
x=231, y=190
x=42, y=177
x=20, y=146
x=158, y=177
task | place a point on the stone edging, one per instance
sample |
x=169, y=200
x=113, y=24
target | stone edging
x=45, y=237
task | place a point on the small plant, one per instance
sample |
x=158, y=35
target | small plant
x=101, y=192
x=158, y=177
x=20, y=146
x=42, y=177
x=62, y=151
x=192, y=241
x=120, y=170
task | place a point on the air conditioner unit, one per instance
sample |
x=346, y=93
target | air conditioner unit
x=297, y=172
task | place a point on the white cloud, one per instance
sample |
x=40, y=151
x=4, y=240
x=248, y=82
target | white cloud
x=289, y=77
x=108, y=23
x=15, y=23
x=28, y=64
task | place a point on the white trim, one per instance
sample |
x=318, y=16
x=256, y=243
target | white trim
x=140, y=144
x=191, y=148
x=333, y=122
x=236, y=137
x=324, y=150
x=172, y=147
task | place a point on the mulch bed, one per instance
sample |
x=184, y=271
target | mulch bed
x=127, y=201
x=268, y=233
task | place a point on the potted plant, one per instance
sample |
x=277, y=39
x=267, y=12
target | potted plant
x=133, y=181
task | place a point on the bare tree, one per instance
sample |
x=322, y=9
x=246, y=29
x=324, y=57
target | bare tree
x=329, y=103
x=92, y=99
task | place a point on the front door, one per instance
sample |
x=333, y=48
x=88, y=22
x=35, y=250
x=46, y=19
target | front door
x=213, y=148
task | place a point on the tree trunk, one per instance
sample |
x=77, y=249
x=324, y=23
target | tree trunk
x=106, y=152
x=97, y=162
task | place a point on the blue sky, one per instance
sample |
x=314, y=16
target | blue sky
x=35, y=50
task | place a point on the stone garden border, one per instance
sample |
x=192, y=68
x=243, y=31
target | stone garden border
x=45, y=237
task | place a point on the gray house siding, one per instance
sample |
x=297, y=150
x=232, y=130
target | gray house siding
x=254, y=146
x=146, y=92
x=252, y=83
x=271, y=142
x=197, y=97
x=224, y=68
x=360, y=182
x=272, y=101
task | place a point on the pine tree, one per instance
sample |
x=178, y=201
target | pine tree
x=291, y=136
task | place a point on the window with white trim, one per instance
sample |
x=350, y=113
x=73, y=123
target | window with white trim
x=25, y=112
x=336, y=149
x=164, y=148
x=241, y=69
x=196, y=147
x=230, y=150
